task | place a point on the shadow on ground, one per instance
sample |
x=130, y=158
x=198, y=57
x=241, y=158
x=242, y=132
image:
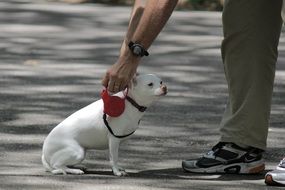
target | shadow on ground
x=53, y=57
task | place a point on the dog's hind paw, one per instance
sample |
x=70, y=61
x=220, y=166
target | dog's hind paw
x=67, y=171
x=80, y=167
x=58, y=172
x=74, y=171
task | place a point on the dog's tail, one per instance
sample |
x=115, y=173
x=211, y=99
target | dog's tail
x=45, y=164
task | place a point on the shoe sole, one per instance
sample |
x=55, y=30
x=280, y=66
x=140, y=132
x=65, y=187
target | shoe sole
x=244, y=168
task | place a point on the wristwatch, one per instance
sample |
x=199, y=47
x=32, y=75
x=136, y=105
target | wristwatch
x=137, y=49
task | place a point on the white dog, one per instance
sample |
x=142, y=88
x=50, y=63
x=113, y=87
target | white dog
x=90, y=128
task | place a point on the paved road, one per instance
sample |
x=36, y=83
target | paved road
x=52, y=57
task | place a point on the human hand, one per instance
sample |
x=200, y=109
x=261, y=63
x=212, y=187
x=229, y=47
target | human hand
x=119, y=75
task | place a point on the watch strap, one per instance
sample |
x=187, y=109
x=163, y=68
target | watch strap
x=137, y=49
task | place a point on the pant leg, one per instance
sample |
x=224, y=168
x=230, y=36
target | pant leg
x=249, y=51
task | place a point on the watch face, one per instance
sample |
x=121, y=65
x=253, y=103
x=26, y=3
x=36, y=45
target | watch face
x=137, y=50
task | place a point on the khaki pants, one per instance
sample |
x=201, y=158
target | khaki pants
x=249, y=51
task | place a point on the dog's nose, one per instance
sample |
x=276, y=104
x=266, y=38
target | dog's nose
x=164, y=89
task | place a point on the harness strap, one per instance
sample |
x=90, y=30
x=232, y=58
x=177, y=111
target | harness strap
x=111, y=131
x=136, y=105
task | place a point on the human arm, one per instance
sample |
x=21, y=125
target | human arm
x=145, y=24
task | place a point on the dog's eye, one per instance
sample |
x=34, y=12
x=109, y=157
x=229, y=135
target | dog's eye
x=160, y=82
x=150, y=84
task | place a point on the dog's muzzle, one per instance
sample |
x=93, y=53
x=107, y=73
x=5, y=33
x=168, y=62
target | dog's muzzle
x=163, y=89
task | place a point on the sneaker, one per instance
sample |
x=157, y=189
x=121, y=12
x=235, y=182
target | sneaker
x=276, y=177
x=227, y=158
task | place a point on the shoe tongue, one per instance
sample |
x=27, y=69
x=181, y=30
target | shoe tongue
x=231, y=145
x=114, y=106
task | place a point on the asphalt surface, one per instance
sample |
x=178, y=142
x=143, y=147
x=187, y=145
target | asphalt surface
x=52, y=58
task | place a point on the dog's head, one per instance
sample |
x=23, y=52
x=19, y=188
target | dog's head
x=147, y=88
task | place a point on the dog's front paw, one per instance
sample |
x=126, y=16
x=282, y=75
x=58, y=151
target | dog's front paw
x=119, y=172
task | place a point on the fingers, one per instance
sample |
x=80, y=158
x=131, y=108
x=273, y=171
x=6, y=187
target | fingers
x=115, y=86
x=115, y=80
x=105, y=81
